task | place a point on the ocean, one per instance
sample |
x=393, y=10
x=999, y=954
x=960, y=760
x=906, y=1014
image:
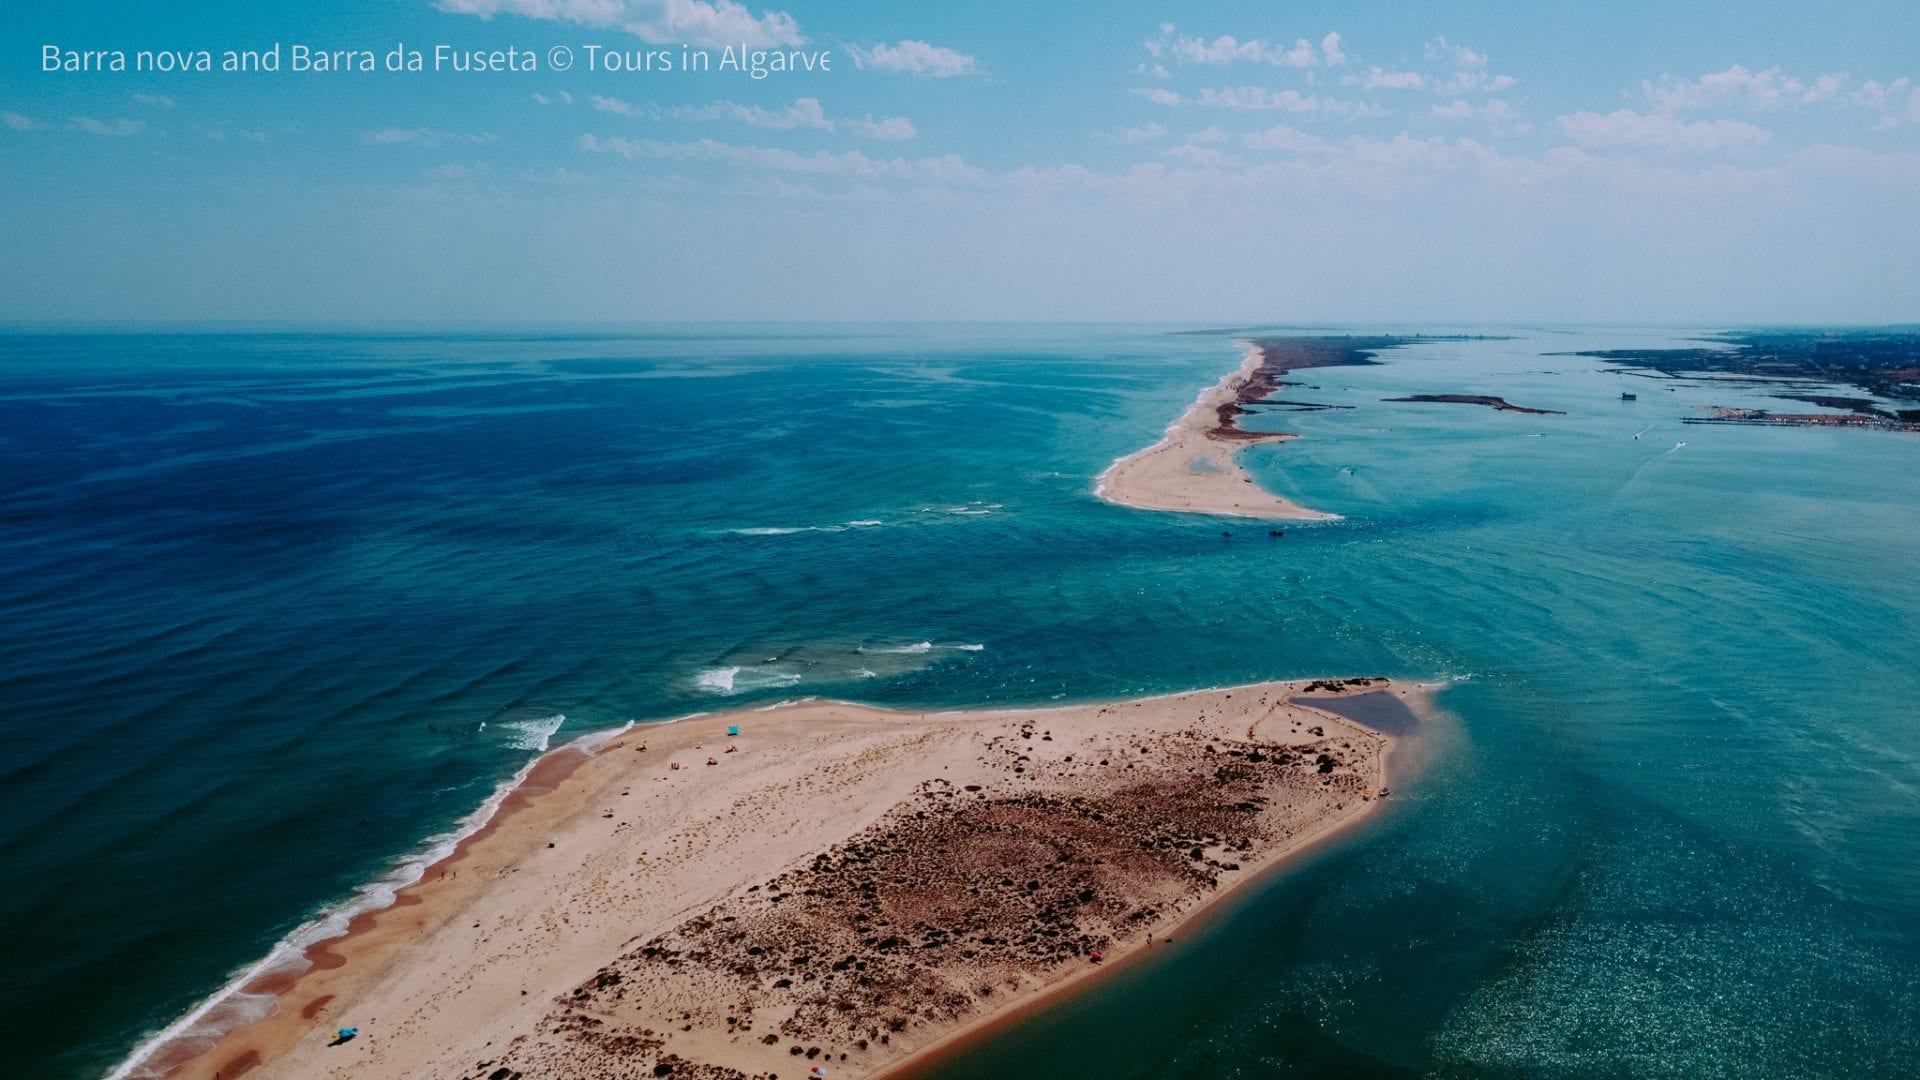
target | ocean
x=280, y=613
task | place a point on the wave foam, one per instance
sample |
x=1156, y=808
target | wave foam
x=789, y=530
x=740, y=680
x=921, y=647
x=536, y=734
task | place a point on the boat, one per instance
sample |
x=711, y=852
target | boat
x=1629, y=397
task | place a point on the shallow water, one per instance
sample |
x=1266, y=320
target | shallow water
x=279, y=608
x=1380, y=710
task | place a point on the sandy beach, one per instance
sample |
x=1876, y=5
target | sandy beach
x=1194, y=467
x=837, y=885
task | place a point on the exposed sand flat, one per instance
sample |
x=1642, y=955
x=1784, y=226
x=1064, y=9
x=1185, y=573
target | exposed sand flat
x=849, y=885
x=1194, y=467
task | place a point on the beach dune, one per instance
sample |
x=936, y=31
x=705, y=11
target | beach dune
x=843, y=885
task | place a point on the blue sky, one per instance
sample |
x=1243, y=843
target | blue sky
x=1433, y=162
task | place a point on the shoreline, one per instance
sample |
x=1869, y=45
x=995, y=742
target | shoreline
x=1194, y=468
x=366, y=973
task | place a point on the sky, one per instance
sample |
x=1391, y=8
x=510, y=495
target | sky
x=1128, y=160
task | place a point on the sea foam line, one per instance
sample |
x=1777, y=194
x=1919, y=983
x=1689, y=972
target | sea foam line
x=789, y=530
x=332, y=922
x=727, y=680
x=920, y=647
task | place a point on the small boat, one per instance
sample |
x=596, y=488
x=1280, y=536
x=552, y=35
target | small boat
x=1629, y=397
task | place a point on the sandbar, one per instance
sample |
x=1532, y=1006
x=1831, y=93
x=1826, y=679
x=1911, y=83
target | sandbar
x=1194, y=468
x=844, y=887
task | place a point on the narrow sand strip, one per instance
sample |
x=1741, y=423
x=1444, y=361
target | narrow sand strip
x=1193, y=469
x=843, y=884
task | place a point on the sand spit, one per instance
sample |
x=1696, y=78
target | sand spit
x=1193, y=468
x=1490, y=401
x=844, y=887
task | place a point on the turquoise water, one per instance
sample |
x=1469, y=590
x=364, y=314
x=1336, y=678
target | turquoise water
x=281, y=609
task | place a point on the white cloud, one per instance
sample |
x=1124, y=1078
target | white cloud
x=1473, y=82
x=426, y=138
x=914, y=58
x=949, y=169
x=1206, y=157
x=1470, y=75
x=1227, y=49
x=1888, y=100
x=1498, y=114
x=892, y=129
x=1330, y=50
x=1873, y=95
x=693, y=22
x=1259, y=99
x=804, y=113
x=16, y=121
x=1283, y=137
x=1143, y=133
x=1760, y=90
x=1301, y=166
x=1377, y=79
x=560, y=97
x=1223, y=50
x=1824, y=88
x=1248, y=98
x=157, y=100
x=1661, y=131
x=122, y=126
x=1211, y=134
x=1461, y=56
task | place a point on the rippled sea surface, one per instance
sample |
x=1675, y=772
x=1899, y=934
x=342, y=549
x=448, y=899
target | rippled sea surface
x=278, y=612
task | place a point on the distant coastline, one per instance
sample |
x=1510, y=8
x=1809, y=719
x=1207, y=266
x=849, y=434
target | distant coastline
x=775, y=896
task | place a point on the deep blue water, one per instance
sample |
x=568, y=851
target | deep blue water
x=275, y=610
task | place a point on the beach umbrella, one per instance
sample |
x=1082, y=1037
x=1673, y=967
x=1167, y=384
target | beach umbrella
x=733, y=729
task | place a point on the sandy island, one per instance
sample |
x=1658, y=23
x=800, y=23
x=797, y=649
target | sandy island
x=1193, y=468
x=844, y=886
